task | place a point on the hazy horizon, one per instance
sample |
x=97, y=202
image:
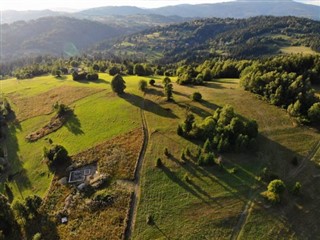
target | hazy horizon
x=76, y=5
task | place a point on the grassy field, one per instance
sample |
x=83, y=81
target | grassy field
x=97, y=118
x=211, y=205
x=297, y=49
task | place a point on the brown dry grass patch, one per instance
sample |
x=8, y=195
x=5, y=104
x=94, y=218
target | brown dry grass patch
x=116, y=157
x=32, y=106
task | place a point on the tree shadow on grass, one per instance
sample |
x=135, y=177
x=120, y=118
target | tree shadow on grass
x=209, y=105
x=147, y=105
x=172, y=176
x=181, y=94
x=154, y=91
x=161, y=231
x=98, y=81
x=73, y=124
x=16, y=173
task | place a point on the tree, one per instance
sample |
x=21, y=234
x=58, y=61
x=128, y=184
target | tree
x=114, y=71
x=32, y=204
x=152, y=82
x=207, y=146
x=294, y=109
x=314, y=113
x=188, y=122
x=296, y=188
x=168, y=89
x=20, y=210
x=7, y=221
x=196, y=96
x=55, y=156
x=166, y=81
x=139, y=70
x=118, y=84
x=143, y=85
x=276, y=186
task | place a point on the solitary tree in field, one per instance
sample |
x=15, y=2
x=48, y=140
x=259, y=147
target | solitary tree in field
x=143, y=85
x=118, y=84
x=166, y=81
x=168, y=91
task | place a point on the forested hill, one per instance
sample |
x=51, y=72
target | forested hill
x=234, y=9
x=55, y=36
x=200, y=39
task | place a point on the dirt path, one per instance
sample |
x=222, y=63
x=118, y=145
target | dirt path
x=307, y=158
x=136, y=187
x=243, y=217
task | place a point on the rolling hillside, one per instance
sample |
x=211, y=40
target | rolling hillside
x=54, y=35
x=241, y=38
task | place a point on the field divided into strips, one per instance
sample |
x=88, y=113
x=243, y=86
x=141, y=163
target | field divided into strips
x=99, y=116
x=211, y=206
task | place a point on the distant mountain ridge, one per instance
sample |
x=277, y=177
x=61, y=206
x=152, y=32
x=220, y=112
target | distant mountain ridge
x=54, y=36
x=235, y=9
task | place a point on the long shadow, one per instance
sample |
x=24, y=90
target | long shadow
x=187, y=166
x=154, y=91
x=99, y=81
x=161, y=231
x=215, y=85
x=148, y=105
x=181, y=94
x=171, y=175
x=200, y=112
x=73, y=124
x=209, y=105
x=16, y=173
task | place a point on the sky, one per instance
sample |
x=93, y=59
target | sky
x=70, y=5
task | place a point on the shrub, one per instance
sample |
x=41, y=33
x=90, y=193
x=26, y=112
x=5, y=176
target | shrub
x=143, y=85
x=166, y=81
x=158, y=163
x=187, y=178
x=296, y=188
x=152, y=82
x=276, y=186
x=166, y=152
x=206, y=159
x=37, y=236
x=187, y=152
x=271, y=197
x=149, y=220
x=92, y=77
x=180, y=130
x=55, y=156
x=196, y=96
x=118, y=84
x=182, y=156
